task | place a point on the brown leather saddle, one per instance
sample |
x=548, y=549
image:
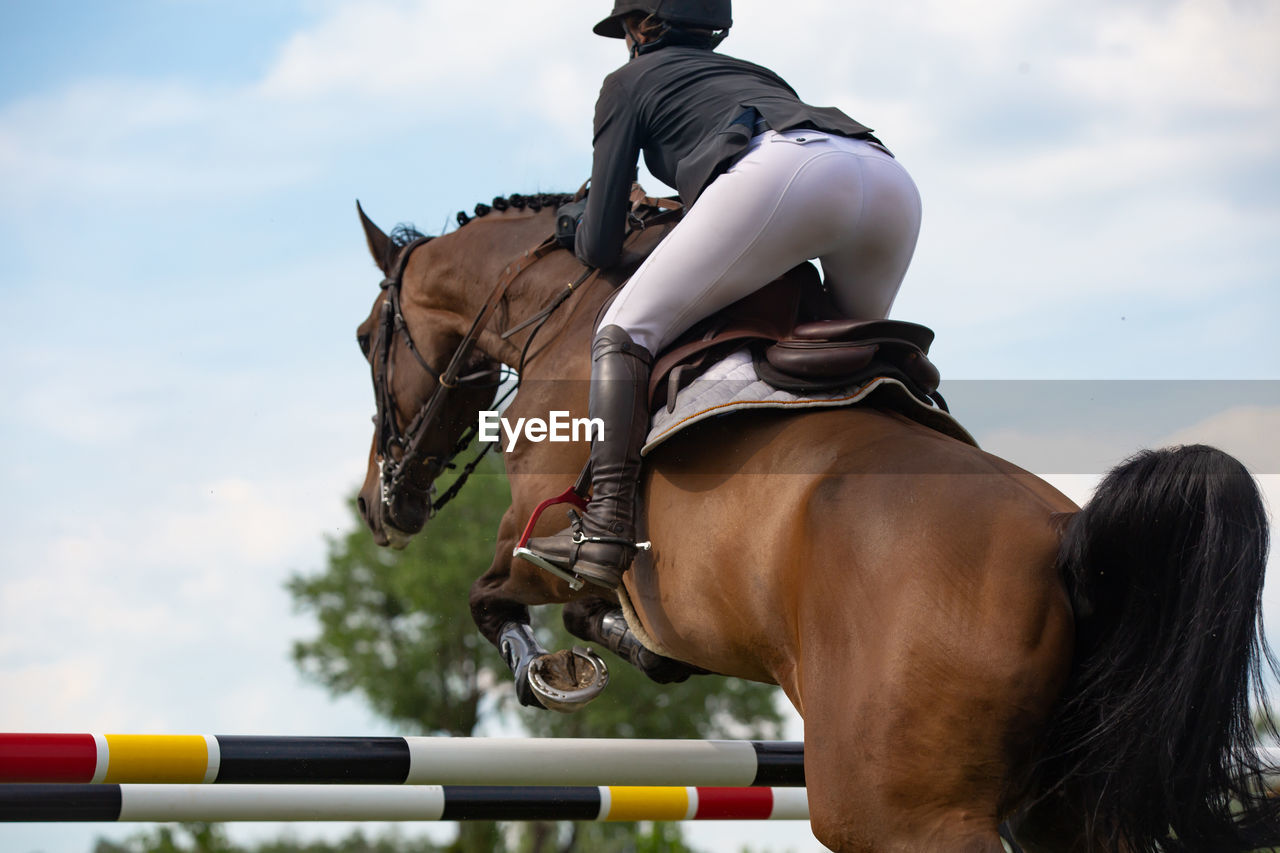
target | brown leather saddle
x=800, y=343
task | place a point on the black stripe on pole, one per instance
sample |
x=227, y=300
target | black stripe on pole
x=302, y=760
x=779, y=764
x=61, y=803
x=507, y=802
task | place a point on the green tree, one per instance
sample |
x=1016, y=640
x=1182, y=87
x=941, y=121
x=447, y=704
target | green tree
x=394, y=627
x=211, y=838
x=181, y=838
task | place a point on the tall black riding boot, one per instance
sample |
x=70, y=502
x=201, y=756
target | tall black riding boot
x=600, y=544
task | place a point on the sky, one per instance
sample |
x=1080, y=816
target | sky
x=185, y=412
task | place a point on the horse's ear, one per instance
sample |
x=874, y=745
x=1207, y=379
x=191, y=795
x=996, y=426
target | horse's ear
x=379, y=243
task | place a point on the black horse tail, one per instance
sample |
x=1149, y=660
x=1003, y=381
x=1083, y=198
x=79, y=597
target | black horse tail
x=1154, y=743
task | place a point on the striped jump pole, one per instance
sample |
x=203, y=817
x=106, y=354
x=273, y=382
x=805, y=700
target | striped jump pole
x=170, y=802
x=205, y=759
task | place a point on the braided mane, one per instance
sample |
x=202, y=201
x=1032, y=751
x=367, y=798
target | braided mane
x=406, y=232
x=518, y=202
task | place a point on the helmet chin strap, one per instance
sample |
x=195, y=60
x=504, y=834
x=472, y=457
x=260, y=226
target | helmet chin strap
x=633, y=48
x=637, y=47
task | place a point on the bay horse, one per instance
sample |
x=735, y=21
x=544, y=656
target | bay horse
x=966, y=646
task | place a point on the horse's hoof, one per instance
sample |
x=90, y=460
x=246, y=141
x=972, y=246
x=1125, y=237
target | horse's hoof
x=567, y=680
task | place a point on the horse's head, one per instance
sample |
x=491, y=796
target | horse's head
x=428, y=393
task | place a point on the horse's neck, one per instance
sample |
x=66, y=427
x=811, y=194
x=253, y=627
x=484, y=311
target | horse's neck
x=461, y=271
x=469, y=263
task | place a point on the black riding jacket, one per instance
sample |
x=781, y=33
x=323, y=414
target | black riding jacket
x=679, y=105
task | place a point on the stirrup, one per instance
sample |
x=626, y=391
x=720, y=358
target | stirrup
x=575, y=582
x=575, y=495
x=568, y=572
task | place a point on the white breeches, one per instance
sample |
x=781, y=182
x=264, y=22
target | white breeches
x=791, y=197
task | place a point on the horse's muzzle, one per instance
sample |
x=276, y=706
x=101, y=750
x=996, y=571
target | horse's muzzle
x=396, y=515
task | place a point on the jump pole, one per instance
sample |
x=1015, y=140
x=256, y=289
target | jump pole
x=223, y=759
x=169, y=802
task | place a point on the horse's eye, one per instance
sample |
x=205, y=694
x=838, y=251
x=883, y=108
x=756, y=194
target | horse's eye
x=363, y=340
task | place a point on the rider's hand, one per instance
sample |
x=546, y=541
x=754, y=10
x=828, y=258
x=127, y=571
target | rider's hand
x=567, y=218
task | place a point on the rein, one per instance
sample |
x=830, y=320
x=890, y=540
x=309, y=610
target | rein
x=415, y=470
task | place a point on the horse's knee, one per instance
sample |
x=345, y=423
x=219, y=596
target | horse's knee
x=491, y=609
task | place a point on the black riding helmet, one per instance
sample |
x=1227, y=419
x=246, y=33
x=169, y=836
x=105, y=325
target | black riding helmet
x=697, y=14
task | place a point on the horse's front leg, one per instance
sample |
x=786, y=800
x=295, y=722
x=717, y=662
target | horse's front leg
x=562, y=681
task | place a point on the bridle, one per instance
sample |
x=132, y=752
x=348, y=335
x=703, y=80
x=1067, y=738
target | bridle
x=415, y=471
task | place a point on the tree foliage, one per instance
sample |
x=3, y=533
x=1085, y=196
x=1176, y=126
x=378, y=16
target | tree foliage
x=212, y=838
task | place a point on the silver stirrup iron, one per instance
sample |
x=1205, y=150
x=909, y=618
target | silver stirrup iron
x=575, y=582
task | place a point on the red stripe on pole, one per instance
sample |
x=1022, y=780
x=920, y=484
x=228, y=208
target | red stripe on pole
x=734, y=804
x=47, y=758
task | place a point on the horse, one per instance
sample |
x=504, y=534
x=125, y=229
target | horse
x=968, y=648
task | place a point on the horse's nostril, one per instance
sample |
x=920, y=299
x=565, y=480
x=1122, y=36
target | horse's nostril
x=364, y=508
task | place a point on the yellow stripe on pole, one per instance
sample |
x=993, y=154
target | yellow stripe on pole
x=156, y=758
x=647, y=803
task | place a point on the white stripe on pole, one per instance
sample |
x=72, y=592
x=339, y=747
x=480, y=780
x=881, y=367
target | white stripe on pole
x=790, y=804
x=580, y=761
x=104, y=758
x=164, y=803
x=215, y=759
x=692, y=794
x=606, y=802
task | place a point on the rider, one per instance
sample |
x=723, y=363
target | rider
x=767, y=182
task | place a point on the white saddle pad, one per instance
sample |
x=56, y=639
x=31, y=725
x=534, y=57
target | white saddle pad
x=732, y=385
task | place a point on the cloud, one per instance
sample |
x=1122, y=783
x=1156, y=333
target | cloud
x=1246, y=432
x=1073, y=157
x=1086, y=427
x=1161, y=61
x=461, y=67
x=145, y=141
x=418, y=76
x=1119, y=97
x=402, y=50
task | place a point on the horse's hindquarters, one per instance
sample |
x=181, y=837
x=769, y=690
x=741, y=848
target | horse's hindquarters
x=900, y=587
